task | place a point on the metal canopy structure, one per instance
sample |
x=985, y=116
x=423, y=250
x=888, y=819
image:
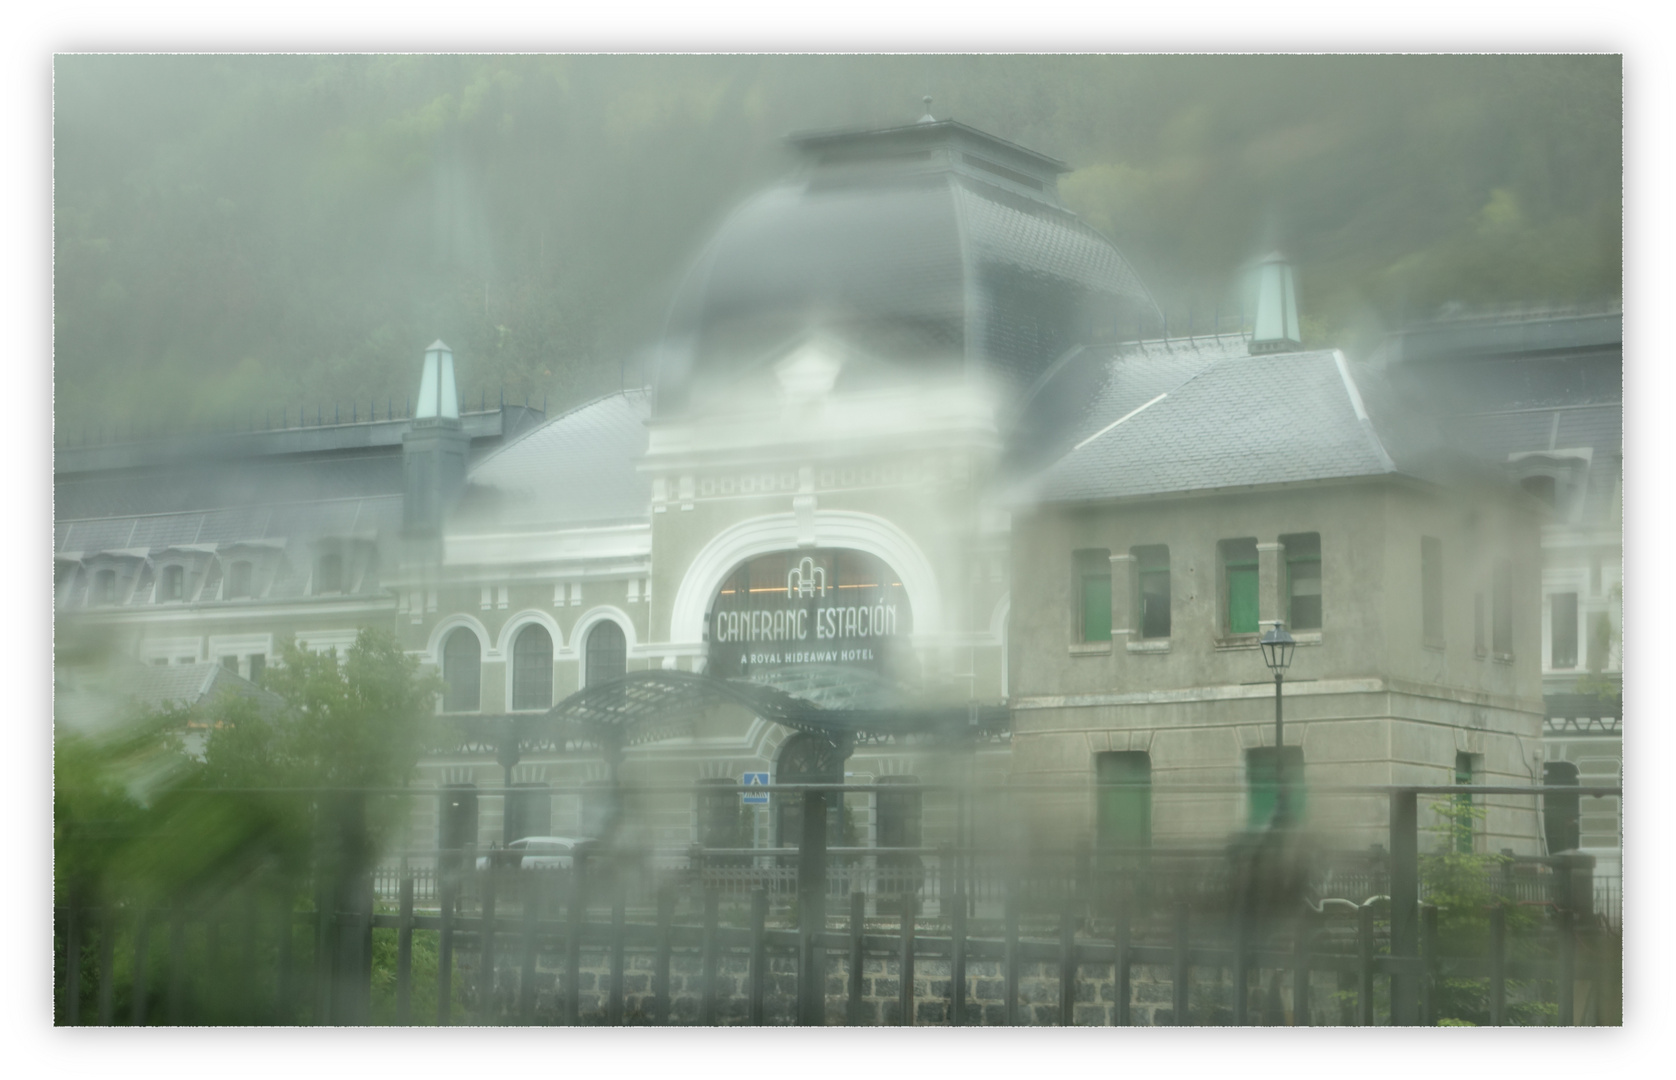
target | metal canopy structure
x=841, y=705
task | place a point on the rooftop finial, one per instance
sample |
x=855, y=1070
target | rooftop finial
x=927, y=118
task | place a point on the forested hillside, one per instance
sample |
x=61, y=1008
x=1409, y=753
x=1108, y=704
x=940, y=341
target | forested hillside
x=235, y=235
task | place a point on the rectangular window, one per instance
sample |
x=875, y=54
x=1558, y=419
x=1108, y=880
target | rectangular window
x=238, y=580
x=1562, y=630
x=1431, y=590
x=457, y=825
x=721, y=816
x=1267, y=787
x=1501, y=609
x=1123, y=794
x=1463, y=824
x=529, y=809
x=1239, y=583
x=1094, y=593
x=1303, y=580
x=1480, y=646
x=1561, y=814
x=1600, y=641
x=598, y=804
x=1152, y=576
x=257, y=663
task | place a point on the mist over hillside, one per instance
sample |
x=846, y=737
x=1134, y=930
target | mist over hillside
x=237, y=236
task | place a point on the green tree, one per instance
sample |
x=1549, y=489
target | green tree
x=141, y=821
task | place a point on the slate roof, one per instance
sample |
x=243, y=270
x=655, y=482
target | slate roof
x=1199, y=419
x=289, y=528
x=96, y=700
x=923, y=257
x=577, y=468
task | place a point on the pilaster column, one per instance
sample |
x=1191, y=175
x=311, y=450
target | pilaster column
x=1124, y=605
x=1271, y=582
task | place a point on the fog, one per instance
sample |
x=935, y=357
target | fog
x=685, y=540
x=240, y=235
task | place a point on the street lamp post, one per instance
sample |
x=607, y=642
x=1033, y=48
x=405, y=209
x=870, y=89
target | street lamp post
x=1277, y=654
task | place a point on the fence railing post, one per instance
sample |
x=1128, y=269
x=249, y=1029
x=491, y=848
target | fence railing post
x=486, y=941
x=619, y=933
x=1300, y=977
x=1364, y=956
x=1405, y=900
x=531, y=945
x=1010, y=981
x=660, y=960
x=905, y=964
x=1120, y=969
x=957, y=957
x=448, y=894
x=573, y=944
x=1498, y=965
x=759, y=954
x=858, y=919
x=711, y=959
x=1242, y=966
x=811, y=911
x=177, y=962
x=1180, y=974
x=1068, y=963
x=142, y=943
x=1568, y=968
x=1429, y=964
x=284, y=980
x=107, y=950
x=404, y=947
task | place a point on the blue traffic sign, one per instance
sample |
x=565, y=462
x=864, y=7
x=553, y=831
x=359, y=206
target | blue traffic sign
x=755, y=779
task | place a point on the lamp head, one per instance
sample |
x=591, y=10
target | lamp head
x=1277, y=647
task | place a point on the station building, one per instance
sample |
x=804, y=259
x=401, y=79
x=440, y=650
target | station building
x=923, y=490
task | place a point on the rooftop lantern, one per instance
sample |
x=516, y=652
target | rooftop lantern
x=1275, y=325
x=438, y=399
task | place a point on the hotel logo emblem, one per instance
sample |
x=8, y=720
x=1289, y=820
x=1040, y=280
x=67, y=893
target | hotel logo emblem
x=806, y=579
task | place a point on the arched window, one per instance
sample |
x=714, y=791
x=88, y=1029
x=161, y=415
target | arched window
x=328, y=573
x=462, y=671
x=607, y=653
x=172, y=585
x=532, y=669
x=104, y=587
x=238, y=580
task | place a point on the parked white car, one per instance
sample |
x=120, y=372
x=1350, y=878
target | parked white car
x=537, y=853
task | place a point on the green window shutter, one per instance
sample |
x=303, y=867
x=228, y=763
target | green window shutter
x=1097, y=607
x=1262, y=790
x=1242, y=600
x=1124, y=810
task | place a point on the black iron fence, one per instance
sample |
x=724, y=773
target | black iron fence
x=844, y=935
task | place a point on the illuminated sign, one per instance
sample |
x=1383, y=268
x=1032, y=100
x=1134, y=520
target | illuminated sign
x=799, y=608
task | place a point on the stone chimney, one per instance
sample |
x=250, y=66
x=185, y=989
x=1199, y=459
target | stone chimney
x=1275, y=326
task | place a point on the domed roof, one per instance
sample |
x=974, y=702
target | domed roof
x=932, y=245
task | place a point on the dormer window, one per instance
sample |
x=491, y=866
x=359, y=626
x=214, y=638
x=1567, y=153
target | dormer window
x=171, y=585
x=104, y=587
x=328, y=573
x=1541, y=487
x=238, y=581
